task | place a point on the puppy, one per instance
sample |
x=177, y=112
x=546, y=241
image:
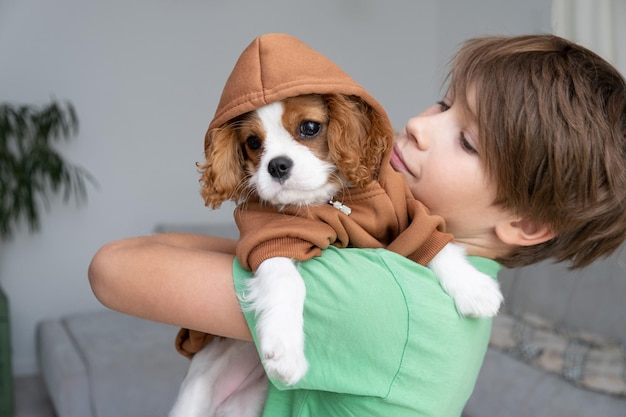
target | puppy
x=294, y=154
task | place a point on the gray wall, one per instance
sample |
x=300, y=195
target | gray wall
x=145, y=76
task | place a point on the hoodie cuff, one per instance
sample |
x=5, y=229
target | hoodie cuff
x=287, y=247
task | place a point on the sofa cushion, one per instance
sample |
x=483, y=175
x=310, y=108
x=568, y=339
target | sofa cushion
x=582, y=358
x=509, y=387
x=587, y=299
x=109, y=364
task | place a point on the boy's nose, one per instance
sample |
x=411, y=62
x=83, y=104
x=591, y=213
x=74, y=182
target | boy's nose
x=418, y=132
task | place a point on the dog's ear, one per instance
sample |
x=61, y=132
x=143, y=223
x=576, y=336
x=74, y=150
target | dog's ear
x=358, y=138
x=222, y=173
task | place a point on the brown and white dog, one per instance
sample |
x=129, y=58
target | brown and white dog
x=300, y=151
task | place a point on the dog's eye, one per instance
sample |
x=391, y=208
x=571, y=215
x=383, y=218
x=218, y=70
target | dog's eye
x=253, y=142
x=308, y=129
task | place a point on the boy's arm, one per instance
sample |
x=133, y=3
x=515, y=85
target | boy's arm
x=177, y=281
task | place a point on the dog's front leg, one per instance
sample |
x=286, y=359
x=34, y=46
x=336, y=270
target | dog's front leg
x=276, y=294
x=474, y=293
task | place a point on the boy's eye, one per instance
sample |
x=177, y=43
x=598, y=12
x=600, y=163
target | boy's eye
x=466, y=145
x=443, y=106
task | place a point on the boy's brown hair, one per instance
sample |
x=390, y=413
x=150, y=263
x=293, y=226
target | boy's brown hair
x=552, y=135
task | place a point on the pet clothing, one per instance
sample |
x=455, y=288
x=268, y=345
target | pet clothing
x=384, y=214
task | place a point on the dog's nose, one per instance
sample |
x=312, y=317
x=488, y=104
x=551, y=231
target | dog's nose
x=280, y=167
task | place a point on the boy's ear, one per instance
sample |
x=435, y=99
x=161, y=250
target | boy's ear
x=523, y=232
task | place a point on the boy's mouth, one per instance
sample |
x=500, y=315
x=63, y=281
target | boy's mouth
x=397, y=162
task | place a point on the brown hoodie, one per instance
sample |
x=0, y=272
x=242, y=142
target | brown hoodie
x=384, y=213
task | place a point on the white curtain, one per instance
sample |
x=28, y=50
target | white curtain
x=596, y=24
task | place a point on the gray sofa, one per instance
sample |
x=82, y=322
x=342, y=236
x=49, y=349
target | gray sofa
x=106, y=364
x=559, y=346
x=558, y=349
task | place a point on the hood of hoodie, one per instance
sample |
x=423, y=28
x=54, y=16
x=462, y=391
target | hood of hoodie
x=278, y=66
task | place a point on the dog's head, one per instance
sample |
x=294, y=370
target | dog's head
x=298, y=151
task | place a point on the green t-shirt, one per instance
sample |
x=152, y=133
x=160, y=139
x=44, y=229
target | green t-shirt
x=382, y=339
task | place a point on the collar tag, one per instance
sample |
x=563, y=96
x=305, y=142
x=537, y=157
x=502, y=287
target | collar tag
x=341, y=207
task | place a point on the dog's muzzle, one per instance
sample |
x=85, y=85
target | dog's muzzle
x=280, y=168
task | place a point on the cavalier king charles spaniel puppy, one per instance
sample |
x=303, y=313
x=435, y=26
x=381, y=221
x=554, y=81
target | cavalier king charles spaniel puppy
x=288, y=154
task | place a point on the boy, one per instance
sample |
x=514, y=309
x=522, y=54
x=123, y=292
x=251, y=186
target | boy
x=525, y=160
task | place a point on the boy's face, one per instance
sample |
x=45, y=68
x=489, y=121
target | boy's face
x=437, y=153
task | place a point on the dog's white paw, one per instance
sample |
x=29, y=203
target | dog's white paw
x=284, y=359
x=476, y=295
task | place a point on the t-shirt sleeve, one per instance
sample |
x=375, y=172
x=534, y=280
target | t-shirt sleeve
x=354, y=308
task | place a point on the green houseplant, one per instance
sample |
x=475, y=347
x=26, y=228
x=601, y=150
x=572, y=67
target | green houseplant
x=31, y=170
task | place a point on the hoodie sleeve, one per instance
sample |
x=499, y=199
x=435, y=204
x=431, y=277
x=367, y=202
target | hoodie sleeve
x=266, y=233
x=188, y=342
x=424, y=237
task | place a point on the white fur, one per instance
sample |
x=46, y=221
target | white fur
x=221, y=381
x=225, y=378
x=474, y=293
x=277, y=294
x=308, y=180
